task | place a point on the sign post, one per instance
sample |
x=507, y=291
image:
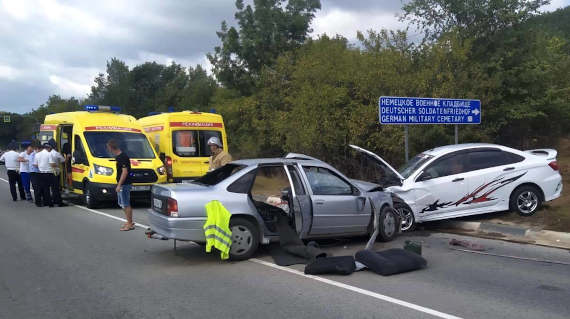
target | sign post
x=394, y=110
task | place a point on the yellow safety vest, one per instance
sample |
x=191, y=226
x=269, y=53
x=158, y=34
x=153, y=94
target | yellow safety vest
x=217, y=228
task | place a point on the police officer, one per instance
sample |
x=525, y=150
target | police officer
x=45, y=175
x=10, y=158
x=55, y=161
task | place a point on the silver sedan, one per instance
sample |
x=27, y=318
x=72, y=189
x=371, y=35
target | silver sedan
x=320, y=201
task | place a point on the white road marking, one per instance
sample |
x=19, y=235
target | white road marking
x=110, y=216
x=361, y=291
x=358, y=290
x=100, y=213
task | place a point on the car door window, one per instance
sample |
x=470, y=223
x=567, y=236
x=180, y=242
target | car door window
x=491, y=158
x=79, y=153
x=325, y=182
x=299, y=189
x=448, y=165
x=243, y=184
x=268, y=184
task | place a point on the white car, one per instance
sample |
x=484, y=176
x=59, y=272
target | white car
x=469, y=179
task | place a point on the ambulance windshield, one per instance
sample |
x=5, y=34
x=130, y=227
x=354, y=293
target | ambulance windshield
x=135, y=145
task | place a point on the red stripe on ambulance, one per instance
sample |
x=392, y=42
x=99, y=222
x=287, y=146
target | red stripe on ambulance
x=111, y=128
x=195, y=124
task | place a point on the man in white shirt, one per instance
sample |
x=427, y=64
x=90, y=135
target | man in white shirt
x=45, y=175
x=56, y=159
x=34, y=172
x=24, y=160
x=10, y=159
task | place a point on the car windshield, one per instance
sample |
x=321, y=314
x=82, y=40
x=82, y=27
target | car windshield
x=216, y=176
x=411, y=166
x=135, y=145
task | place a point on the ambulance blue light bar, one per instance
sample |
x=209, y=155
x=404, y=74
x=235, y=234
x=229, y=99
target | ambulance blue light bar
x=102, y=108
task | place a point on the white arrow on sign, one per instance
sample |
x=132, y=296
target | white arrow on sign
x=475, y=111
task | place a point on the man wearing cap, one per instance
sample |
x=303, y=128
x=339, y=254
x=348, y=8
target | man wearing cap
x=45, y=175
x=219, y=157
x=10, y=158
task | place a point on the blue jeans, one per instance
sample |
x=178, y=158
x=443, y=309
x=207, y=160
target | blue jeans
x=26, y=182
x=124, y=196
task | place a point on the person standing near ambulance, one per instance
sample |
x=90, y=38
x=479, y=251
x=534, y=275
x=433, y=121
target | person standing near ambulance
x=123, y=189
x=45, y=175
x=219, y=157
x=10, y=159
x=24, y=160
x=34, y=172
x=56, y=159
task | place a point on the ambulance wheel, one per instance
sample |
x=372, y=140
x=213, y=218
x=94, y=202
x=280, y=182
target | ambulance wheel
x=245, y=238
x=88, y=198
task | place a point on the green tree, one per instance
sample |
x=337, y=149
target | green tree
x=266, y=30
x=471, y=18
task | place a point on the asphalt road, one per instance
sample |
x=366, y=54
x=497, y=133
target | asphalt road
x=73, y=263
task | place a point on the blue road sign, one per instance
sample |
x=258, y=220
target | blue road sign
x=419, y=110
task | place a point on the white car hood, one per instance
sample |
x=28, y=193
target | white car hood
x=378, y=159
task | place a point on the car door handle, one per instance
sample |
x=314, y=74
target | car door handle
x=459, y=179
x=207, y=162
x=509, y=169
x=320, y=202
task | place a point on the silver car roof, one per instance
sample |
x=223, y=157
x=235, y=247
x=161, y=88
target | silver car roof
x=258, y=161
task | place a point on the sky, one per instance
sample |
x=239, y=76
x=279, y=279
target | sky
x=59, y=46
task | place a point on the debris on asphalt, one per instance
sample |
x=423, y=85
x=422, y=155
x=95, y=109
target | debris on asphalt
x=413, y=246
x=390, y=262
x=466, y=244
x=340, y=265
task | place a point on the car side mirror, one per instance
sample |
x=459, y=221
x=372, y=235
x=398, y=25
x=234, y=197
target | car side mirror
x=162, y=157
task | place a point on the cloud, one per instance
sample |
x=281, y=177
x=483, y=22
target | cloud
x=59, y=46
x=347, y=23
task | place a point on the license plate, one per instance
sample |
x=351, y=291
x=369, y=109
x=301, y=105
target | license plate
x=141, y=188
x=157, y=203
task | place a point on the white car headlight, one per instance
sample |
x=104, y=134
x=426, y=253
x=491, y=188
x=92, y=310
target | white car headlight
x=103, y=170
x=161, y=170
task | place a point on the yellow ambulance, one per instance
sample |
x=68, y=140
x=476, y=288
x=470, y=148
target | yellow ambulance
x=84, y=135
x=180, y=139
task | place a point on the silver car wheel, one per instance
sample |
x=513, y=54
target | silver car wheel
x=527, y=202
x=389, y=224
x=407, y=217
x=242, y=240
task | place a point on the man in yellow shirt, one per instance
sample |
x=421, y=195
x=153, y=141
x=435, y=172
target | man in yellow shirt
x=219, y=157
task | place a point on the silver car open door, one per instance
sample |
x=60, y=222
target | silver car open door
x=301, y=208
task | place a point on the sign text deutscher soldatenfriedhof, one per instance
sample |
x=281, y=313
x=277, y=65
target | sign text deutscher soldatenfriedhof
x=416, y=110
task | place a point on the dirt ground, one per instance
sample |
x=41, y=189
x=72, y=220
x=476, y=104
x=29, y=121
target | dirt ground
x=554, y=215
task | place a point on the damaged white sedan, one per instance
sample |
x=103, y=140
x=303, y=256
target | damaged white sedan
x=469, y=179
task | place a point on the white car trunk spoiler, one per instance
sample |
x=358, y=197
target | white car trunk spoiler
x=548, y=153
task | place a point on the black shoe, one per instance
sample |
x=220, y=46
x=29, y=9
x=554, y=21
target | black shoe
x=62, y=205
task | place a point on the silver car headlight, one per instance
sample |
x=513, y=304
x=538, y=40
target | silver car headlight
x=103, y=170
x=161, y=170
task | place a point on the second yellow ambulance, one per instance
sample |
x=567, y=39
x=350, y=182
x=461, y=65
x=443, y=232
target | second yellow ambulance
x=180, y=139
